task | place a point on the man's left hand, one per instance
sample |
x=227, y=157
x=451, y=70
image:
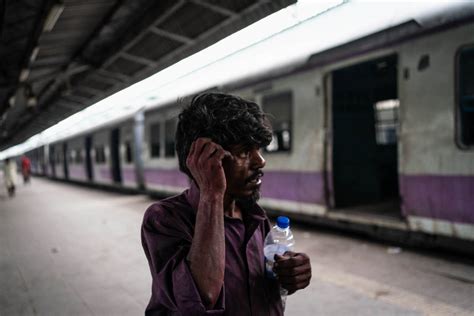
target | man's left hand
x=293, y=270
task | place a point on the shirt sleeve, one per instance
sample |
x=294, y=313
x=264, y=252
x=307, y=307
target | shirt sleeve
x=167, y=244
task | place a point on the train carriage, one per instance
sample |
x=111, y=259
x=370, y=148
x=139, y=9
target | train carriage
x=375, y=132
x=103, y=155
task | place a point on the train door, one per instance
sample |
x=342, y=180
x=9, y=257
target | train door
x=138, y=136
x=65, y=161
x=88, y=146
x=364, y=143
x=52, y=162
x=43, y=162
x=115, y=155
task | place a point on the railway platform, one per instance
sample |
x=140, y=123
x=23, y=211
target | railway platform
x=72, y=250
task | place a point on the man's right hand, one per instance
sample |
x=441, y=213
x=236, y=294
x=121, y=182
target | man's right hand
x=204, y=161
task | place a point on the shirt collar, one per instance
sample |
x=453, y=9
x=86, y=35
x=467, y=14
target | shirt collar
x=192, y=196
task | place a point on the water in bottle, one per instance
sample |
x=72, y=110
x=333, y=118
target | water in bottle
x=278, y=241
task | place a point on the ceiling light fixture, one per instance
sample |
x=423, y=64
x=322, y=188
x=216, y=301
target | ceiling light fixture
x=32, y=101
x=53, y=17
x=12, y=101
x=24, y=74
x=34, y=54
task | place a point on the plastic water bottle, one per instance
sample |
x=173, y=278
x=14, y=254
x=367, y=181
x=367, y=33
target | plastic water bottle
x=278, y=241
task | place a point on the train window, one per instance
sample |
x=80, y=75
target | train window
x=100, y=154
x=170, y=131
x=128, y=152
x=465, y=90
x=279, y=107
x=52, y=156
x=78, y=156
x=386, y=121
x=155, y=140
x=58, y=156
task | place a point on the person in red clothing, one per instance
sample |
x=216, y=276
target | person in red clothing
x=205, y=246
x=26, y=168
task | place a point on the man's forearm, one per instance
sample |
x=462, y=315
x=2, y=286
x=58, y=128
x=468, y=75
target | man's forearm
x=207, y=254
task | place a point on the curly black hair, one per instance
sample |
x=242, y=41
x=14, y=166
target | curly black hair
x=226, y=119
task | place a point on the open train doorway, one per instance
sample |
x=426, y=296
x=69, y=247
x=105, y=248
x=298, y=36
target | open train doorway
x=65, y=161
x=52, y=160
x=115, y=155
x=89, y=169
x=364, y=147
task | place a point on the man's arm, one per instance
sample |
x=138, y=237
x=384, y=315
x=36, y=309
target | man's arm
x=207, y=254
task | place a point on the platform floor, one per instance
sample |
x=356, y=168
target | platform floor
x=70, y=250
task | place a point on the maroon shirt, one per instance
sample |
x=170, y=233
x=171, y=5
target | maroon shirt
x=167, y=233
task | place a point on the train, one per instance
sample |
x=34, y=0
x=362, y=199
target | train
x=376, y=132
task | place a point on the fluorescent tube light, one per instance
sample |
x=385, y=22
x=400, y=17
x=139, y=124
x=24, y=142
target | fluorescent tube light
x=53, y=17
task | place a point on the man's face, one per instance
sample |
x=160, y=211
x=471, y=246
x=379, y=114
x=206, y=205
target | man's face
x=244, y=172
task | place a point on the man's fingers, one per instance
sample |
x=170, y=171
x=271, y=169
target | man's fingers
x=293, y=279
x=293, y=287
x=208, y=149
x=292, y=271
x=221, y=154
x=296, y=260
x=201, y=144
x=215, y=152
x=196, y=149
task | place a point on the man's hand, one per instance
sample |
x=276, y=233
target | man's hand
x=293, y=271
x=204, y=161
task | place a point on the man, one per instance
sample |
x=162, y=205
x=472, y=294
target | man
x=205, y=246
x=25, y=168
x=9, y=175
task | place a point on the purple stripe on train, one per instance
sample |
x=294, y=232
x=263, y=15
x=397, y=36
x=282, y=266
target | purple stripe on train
x=442, y=197
x=105, y=174
x=293, y=186
x=128, y=175
x=59, y=172
x=77, y=172
x=307, y=187
x=172, y=177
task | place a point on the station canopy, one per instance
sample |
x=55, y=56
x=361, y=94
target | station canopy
x=57, y=58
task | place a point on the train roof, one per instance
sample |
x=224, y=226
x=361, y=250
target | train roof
x=309, y=44
x=396, y=29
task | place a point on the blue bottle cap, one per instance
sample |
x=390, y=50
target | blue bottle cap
x=283, y=221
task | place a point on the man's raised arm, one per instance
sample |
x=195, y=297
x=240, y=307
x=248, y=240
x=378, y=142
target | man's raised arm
x=207, y=254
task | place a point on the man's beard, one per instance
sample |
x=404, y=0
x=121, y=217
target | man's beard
x=249, y=201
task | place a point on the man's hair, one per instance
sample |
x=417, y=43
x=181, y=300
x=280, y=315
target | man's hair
x=226, y=119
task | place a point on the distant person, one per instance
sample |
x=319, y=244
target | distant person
x=9, y=174
x=205, y=246
x=26, y=168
